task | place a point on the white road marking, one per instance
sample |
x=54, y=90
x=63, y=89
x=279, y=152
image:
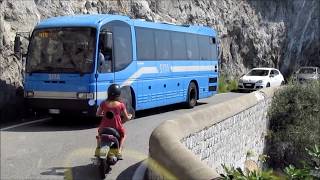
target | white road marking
x=221, y=94
x=26, y=123
x=39, y=163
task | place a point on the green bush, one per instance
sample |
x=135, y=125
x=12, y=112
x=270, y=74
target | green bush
x=310, y=170
x=227, y=85
x=294, y=123
x=237, y=174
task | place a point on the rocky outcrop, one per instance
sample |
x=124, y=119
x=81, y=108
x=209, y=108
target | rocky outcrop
x=300, y=38
x=278, y=33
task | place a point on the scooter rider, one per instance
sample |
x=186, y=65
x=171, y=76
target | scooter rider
x=111, y=111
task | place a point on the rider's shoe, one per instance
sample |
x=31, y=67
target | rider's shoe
x=97, y=152
x=119, y=156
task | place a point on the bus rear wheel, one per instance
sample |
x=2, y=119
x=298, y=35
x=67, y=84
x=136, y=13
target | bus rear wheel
x=192, y=95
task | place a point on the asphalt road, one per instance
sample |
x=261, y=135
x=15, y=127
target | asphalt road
x=62, y=149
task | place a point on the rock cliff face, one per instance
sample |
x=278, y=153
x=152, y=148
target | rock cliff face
x=276, y=33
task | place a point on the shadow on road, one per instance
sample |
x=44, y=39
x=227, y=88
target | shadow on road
x=72, y=123
x=86, y=172
x=61, y=124
x=128, y=173
x=163, y=109
x=74, y=173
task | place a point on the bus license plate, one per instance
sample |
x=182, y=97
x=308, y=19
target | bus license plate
x=54, y=111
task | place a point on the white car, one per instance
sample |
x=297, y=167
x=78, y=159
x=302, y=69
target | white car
x=306, y=74
x=258, y=78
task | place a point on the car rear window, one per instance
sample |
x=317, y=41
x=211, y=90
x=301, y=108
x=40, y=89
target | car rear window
x=307, y=70
x=258, y=72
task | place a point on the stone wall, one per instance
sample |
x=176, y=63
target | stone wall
x=11, y=102
x=195, y=145
x=231, y=140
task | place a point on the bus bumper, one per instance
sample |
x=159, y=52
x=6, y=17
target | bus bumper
x=61, y=106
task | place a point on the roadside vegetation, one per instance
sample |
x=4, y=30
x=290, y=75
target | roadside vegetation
x=226, y=84
x=294, y=123
x=293, y=147
x=309, y=171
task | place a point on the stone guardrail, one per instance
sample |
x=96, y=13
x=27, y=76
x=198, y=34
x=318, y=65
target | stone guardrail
x=195, y=145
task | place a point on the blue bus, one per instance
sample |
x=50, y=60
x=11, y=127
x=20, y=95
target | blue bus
x=72, y=60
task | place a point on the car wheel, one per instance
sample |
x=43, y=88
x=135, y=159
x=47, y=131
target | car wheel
x=268, y=85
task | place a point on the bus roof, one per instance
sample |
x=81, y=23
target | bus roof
x=90, y=20
x=172, y=27
x=94, y=20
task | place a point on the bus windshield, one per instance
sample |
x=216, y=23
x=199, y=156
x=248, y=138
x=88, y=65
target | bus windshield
x=62, y=50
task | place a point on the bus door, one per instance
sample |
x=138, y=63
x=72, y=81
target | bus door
x=124, y=67
x=115, y=64
x=105, y=75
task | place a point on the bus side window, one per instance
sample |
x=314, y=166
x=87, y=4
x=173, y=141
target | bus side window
x=204, y=47
x=105, y=52
x=122, y=46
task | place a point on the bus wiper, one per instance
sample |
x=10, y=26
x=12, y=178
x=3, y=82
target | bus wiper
x=50, y=68
x=80, y=72
x=45, y=69
x=35, y=71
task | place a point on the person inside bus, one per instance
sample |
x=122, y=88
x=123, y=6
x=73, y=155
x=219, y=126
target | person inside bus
x=105, y=66
x=111, y=110
x=105, y=58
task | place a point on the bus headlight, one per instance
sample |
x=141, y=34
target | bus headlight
x=91, y=102
x=29, y=94
x=85, y=96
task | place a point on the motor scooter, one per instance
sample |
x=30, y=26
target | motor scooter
x=105, y=155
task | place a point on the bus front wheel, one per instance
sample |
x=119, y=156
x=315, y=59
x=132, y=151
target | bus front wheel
x=192, y=95
x=131, y=110
x=127, y=98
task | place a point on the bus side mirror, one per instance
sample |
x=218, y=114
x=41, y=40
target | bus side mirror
x=106, y=41
x=17, y=47
x=109, y=41
x=213, y=40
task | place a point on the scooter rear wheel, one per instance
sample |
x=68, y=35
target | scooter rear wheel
x=102, y=168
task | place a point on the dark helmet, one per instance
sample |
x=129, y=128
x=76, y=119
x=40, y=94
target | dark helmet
x=114, y=91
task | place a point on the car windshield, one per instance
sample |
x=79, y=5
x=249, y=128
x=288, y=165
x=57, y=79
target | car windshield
x=258, y=72
x=307, y=71
x=61, y=50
